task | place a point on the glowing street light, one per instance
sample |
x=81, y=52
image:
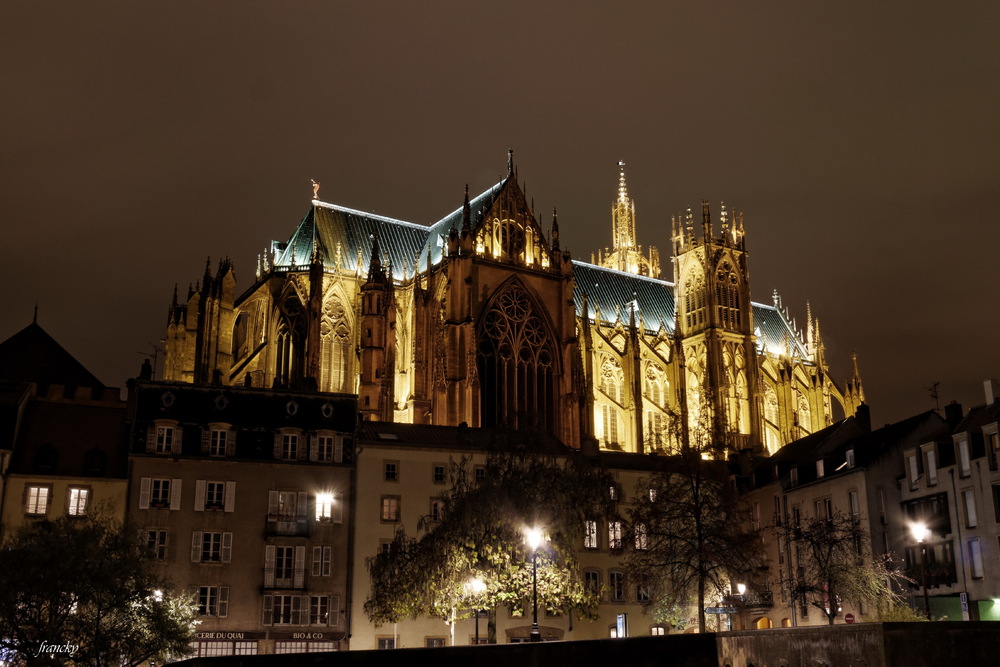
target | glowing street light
x=477, y=586
x=920, y=532
x=534, y=539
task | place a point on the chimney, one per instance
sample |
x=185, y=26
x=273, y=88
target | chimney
x=953, y=413
x=863, y=415
x=992, y=389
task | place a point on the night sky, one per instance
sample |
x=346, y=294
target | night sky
x=860, y=139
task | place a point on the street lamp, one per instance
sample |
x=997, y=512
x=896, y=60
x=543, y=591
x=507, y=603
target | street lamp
x=477, y=587
x=741, y=589
x=920, y=532
x=534, y=538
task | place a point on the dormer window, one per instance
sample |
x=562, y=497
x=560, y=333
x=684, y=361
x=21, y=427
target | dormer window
x=819, y=469
x=850, y=458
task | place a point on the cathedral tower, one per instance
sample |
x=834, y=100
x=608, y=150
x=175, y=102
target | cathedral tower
x=626, y=254
x=715, y=326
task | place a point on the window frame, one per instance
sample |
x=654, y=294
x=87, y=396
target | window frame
x=37, y=499
x=80, y=505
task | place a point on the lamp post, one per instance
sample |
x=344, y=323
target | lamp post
x=741, y=589
x=534, y=538
x=477, y=587
x=920, y=531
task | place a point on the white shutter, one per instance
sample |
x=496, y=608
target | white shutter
x=268, y=610
x=314, y=448
x=268, y=568
x=175, y=494
x=301, y=448
x=227, y=547
x=302, y=505
x=272, y=503
x=277, y=446
x=144, y=493
x=327, y=561
x=338, y=449
x=338, y=508
x=196, y=546
x=297, y=610
x=300, y=567
x=231, y=443
x=199, y=496
x=206, y=433
x=334, y=611
x=151, y=438
x=177, y=446
x=223, y=601
x=230, y=497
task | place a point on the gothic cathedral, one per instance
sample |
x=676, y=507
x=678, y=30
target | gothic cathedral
x=482, y=319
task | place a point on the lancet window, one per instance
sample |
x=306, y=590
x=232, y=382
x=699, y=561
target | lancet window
x=516, y=362
x=727, y=295
x=336, y=347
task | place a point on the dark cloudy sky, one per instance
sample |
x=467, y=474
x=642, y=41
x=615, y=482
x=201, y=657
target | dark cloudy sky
x=860, y=139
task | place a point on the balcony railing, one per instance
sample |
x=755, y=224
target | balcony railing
x=750, y=600
x=290, y=526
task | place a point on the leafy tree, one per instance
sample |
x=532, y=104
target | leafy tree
x=480, y=533
x=689, y=538
x=82, y=591
x=835, y=563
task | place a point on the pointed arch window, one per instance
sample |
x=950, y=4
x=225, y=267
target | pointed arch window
x=517, y=362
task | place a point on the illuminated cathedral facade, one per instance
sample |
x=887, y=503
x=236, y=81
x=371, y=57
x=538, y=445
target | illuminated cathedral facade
x=483, y=319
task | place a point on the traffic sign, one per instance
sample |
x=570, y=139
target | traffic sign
x=849, y=618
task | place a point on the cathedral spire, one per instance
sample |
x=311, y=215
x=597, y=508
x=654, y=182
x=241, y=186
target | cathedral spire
x=466, y=214
x=625, y=254
x=555, y=230
x=375, y=271
x=510, y=162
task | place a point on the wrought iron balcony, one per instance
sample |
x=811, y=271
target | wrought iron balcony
x=750, y=600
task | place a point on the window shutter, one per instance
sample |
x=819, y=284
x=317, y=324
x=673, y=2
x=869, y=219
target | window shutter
x=338, y=449
x=205, y=434
x=231, y=443
x=302, y=505
x=272, y=503
x=177, y=446
x=144, y=493
x=223, y=600
x=268, y=610
x=327, y=560
x=199, y=496
x=297, y=610
x=230, y=497
x=277, y=446
x=196, y=546
x=334, y=615
x=301, y=449
x=175, y=494
x=300, y=567
x=338, y=508
x=268, y=569
x=314, y=448
x=317, y=566
x=227, y=547
x=151, y=438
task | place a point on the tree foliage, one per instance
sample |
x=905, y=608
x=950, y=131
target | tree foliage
x=86, y=586
x=836, y=563
x=691, y=536
x=481, y=534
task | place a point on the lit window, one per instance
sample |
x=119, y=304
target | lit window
x=324, y=507
x=614, y=534
x=79, y=500
x=36, y=501
x=641, y=537
x=590, y=534
x=657, y=631
x=390, y=508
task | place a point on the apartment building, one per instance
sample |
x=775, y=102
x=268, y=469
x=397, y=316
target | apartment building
x=244, y=495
